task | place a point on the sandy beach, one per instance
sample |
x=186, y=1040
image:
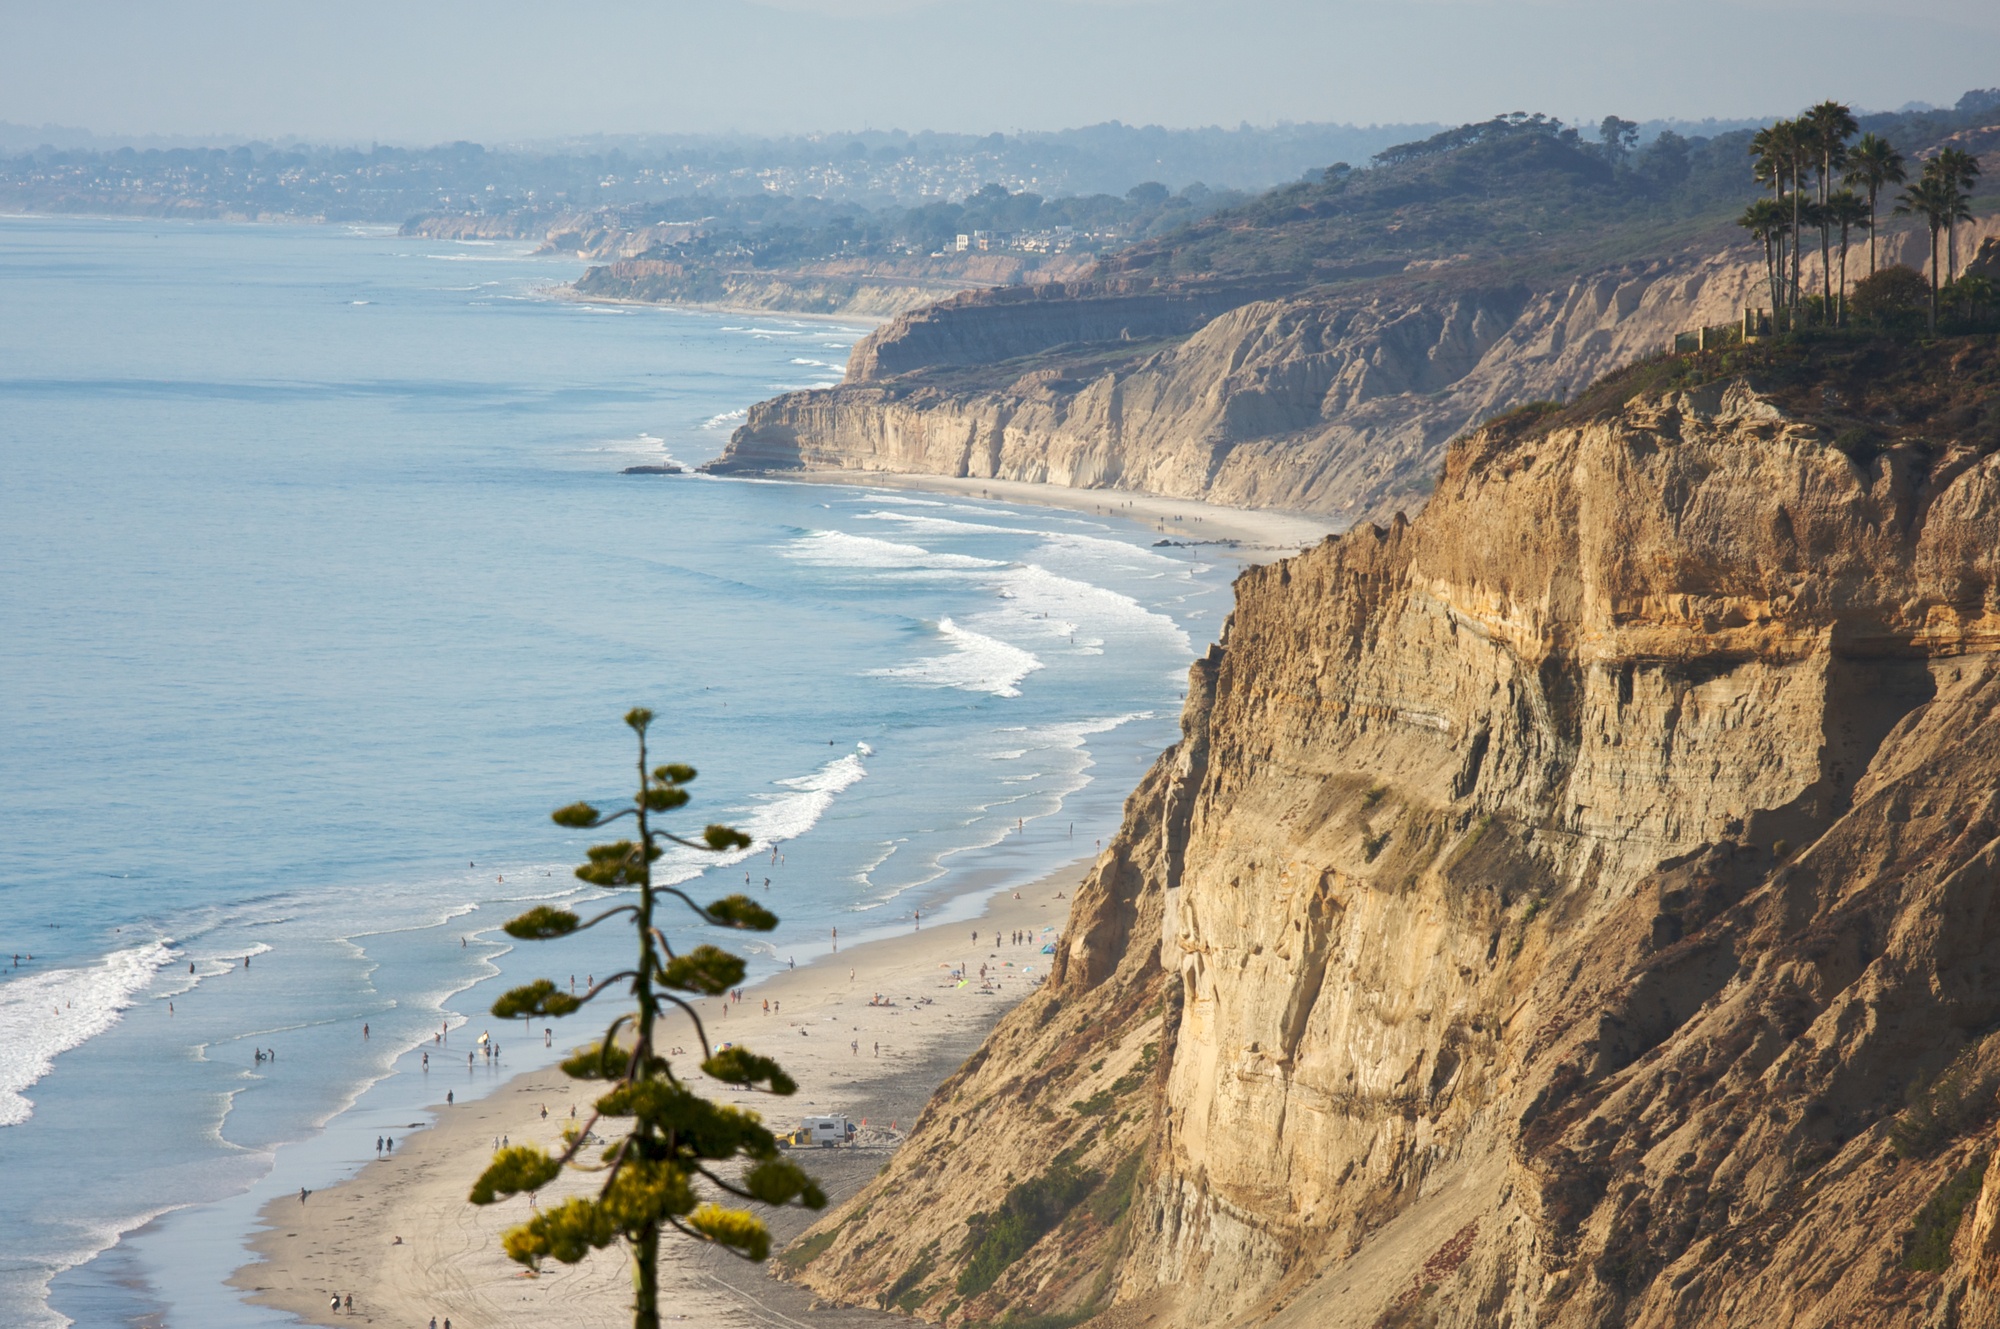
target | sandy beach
x=402, y=1240
x=1255, y=535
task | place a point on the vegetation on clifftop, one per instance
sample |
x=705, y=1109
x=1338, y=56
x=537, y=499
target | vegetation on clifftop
x=1517, y=186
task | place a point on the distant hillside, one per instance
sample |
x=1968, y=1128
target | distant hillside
x=55, y=169
x=1317, y=347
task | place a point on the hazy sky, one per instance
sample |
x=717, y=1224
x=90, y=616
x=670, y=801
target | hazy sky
x=429, y=70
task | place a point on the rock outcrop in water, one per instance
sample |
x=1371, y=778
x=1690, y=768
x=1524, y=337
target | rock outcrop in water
x=1578, y=906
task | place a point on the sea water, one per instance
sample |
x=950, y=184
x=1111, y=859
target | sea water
x=321, y=586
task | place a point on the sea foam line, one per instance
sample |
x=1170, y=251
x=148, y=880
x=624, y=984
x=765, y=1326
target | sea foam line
x=838, y=549
x=44, y=1015
x=977, y=663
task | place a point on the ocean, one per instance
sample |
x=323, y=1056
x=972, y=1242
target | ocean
x=321, y=587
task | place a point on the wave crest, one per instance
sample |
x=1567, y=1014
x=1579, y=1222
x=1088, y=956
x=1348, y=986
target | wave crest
x=44, y=1015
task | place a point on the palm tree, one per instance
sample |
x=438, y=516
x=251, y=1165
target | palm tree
x=1961, y=168
x=1825, y=131
x=1766, y=220
x=1768, y=163
x=1846, y=209
x=1939, y=200
x=1874, y=164
x=1777, y=150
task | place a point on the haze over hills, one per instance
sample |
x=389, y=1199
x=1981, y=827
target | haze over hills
x=69, y=171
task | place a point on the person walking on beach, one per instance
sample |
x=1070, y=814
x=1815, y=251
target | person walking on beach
x=389, y=1145
x=447, y=1098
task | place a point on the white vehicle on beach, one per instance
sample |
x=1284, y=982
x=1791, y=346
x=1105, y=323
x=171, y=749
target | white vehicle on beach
x=825, y=1132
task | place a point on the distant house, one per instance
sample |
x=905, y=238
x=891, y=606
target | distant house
x=964, y=242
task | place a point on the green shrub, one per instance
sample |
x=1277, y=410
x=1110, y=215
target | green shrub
x=1032, y=1209
x=805, y=1252
x=907, y=1293
x=1896, y=299
x=1929, y=1245
x=1940, y=1112
x=1110, y=1203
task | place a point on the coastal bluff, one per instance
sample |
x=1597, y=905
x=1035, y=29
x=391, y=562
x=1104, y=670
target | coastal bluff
x=1574, y=906
x=1336, y=398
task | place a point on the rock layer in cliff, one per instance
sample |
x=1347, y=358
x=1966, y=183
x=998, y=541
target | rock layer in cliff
x=1575, y=907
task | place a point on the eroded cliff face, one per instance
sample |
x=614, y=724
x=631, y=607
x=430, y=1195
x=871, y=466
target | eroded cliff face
x=1336, y=400
x=1575, y=907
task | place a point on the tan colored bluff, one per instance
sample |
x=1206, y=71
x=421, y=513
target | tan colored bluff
x=1575, y=907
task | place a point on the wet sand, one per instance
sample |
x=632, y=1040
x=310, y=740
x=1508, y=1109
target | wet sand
x=402, y=1239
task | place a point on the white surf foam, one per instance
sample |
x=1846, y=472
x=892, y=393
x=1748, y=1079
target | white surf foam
x=1042, y=601
x=45, y=1015
x=918, y=523
x=788, y=816
x=976, y=663
x=773, y=818
x=838, y=549
x=904, y=499
x=727, y=418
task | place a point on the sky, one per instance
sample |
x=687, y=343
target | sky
x=423, y=71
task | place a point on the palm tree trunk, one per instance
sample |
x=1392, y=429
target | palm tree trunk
x=1934, y=278
x=1799, y=249
x=1841, y=320
x=1825, y=239
x=1871, y=230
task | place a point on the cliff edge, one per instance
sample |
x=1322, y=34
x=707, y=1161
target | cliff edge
x=1573, y=907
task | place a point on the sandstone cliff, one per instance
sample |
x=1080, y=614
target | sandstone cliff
x=1574, y=907
x=1337, y=399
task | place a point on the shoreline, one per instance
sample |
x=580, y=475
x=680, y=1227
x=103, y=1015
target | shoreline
x=401, y=1237
x=567, y=294
x=1257, y=535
